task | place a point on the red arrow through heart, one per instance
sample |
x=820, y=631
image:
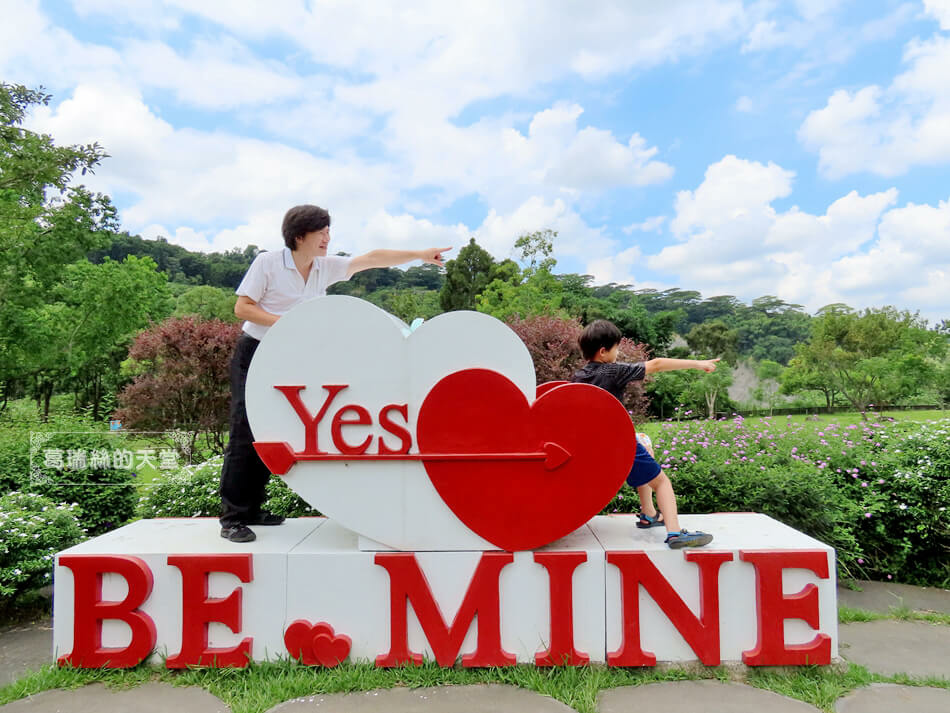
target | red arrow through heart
x=280, y=457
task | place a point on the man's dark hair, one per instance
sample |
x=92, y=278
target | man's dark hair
x=300, y=220
x=596, y=335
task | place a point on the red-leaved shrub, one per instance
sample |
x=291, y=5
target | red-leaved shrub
x=552, y=343
x=182, y=381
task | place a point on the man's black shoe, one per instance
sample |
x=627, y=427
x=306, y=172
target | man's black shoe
x=238, y=533
x=266, y=518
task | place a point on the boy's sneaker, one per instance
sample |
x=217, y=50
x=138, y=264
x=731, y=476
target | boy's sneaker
x=238, y=533
x=678, y=540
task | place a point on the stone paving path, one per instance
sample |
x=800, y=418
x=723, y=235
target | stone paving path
x=697, y=696
x=442, y=699
x=888, y=647
x=888, y=698
x=25, y=648
x=96, y=698
x=882, y=597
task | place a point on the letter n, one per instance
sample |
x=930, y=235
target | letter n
x=702, y=633
x=407, y=583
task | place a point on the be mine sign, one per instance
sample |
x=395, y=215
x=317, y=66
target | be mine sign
x=460, y=522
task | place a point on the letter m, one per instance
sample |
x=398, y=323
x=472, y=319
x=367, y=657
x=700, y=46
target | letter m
x=407, y=583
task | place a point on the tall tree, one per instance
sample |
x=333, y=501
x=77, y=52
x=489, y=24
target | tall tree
x=877, y=356
x=535, y=291
x=46, y=223
x=207, y=302
x=81, y=334
x=107, y=304
x=714, y=338
x=466, y=276
x=806, y=375
x=711, y=386
x=770, y=375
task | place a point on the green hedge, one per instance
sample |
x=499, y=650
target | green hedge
x=877, y=492
x=32, y=530
x=193, y=492
x=105, y=495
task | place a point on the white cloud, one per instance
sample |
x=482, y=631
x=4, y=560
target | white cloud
x=815, y=9
x=931, y=294
x=34, y=51
x=492, y=46
x=216, y=191
x=586, y=159
x=214, y=75
x=617, y=268
x=887, y=131
x=765, y=35
x=146, y=14
x=193, y=181
x=650, y=225
x=940, y=10
x=847, y=224
x=862, y=251
x=498, y=232
x=922, y=228
x=554, y=158
x=810, y=19
x=735, y=193
x=744, y=105
x=408, y=232
x=319, y=122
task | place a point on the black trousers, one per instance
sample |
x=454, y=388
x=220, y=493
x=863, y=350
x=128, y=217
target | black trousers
x=244, y=476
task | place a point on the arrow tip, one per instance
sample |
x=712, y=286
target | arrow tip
x=554, y=456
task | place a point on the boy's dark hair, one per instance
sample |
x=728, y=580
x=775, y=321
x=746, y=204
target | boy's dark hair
x=300, y=220
x=596, y=335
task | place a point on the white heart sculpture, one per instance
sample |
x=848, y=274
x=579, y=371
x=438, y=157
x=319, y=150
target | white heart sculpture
x=347, y=341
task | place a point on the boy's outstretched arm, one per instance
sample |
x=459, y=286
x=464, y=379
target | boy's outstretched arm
x=391, y=258
x=655, y=365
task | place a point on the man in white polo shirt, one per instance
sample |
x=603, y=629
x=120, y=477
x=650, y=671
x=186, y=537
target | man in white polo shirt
x=276, y=282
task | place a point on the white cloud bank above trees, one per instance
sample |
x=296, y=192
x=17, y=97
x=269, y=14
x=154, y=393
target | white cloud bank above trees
x=864, y=250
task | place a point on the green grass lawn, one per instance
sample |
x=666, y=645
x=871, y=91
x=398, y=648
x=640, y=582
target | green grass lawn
x=655, y=428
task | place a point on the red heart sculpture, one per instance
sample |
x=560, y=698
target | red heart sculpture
x=538, y=471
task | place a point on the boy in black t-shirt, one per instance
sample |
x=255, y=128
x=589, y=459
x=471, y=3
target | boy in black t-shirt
x=600, y=344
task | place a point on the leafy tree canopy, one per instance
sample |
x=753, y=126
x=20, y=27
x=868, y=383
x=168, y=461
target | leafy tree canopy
x=875, y=356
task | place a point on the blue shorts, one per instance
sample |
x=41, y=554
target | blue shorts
x=644, y=468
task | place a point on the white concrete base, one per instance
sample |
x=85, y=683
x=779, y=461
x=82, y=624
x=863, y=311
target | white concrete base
x=314, y=570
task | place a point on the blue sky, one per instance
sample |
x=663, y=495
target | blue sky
x=799, y=149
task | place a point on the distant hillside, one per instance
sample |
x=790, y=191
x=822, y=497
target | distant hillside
x=181, y=265
x=226, y=269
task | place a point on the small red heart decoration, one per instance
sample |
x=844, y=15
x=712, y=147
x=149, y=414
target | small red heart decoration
x=331, y=650
x=297, y=639
x=527, y=493
x=316, y=645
